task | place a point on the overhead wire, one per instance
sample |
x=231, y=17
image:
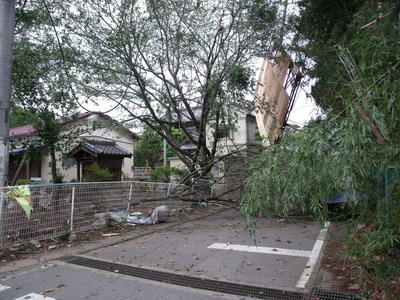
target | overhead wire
x=67, y=73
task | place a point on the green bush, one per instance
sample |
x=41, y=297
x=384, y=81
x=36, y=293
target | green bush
x=37, y=182
x=22, y=182
x=97, y=174
x=163, y=174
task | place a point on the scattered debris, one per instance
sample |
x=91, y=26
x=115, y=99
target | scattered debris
x=249, y=263
x=101, y=219
x=281, y=261
x=354, y=287
x=139, y=220
x=118, y=215
x=136, y=213
x=360, y=226
x=110, y=234
x=35, y=243
x=61, y=285
x=162, y=213
x=200, y=271
x=52, y=247
x=159, y=214
x=46, y=291
x=23, y=196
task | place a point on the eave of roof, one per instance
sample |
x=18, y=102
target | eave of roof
x=100, y=148
x=30, y=129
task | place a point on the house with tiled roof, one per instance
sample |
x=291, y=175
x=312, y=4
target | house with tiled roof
x=100, y=140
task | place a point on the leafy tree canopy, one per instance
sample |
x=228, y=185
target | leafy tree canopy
x=159, y=60
x=359, y=87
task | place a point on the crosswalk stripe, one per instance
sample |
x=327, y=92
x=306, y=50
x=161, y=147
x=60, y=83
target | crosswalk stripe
x=255, y=249
x=3, y=287
x=34, y=296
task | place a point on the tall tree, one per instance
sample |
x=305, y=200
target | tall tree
x=172, y=62
x=40, y=86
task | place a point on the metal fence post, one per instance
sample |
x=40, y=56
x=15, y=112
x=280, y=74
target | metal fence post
x=169, y=188
x=2, y=219
x=130, y=198
x=71, y=220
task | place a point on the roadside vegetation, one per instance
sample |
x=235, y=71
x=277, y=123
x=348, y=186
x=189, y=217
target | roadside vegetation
x=156, y=61
x=354, y=147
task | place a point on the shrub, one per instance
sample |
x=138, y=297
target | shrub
x=22, y=182
x=163, y=174
x=97, y=174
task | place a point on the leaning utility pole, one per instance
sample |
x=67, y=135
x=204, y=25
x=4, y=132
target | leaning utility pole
x=7, y=19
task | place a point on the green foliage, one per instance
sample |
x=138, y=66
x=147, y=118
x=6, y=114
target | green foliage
x=148, y=149
x=180, y=139
x=97, y=174
x=27, y=182
x=21, y=117
x=22, y=182
x=163, y=174
x=238, y=77
x=41, y=89
x=340, y=153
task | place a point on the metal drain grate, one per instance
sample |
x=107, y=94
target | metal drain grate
x=319, y=294
x=189, y=281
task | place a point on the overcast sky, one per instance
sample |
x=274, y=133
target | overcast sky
x=303, y=111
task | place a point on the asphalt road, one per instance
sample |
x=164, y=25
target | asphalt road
x=281, y=255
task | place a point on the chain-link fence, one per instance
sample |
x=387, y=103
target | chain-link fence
x=59, y=209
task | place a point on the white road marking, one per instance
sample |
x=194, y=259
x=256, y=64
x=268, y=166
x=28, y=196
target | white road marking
x=315, y=253
x=3, y=287
x=269, y=250
x=34, y=296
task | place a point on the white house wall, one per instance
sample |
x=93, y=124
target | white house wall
x=122, y=139
x=237, y=139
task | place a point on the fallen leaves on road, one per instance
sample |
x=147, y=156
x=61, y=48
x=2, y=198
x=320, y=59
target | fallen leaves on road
x=281, y=261
x=46, y=291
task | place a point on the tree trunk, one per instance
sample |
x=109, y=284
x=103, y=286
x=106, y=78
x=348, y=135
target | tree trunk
x=54, y=175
